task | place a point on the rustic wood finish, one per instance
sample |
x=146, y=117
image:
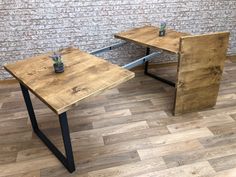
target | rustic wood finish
x=148, y=36
x=200, y=67
x=84, y=75
x=125, y=131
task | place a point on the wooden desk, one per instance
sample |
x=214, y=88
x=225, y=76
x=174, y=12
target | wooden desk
x=84, y=75
x=148, y=36
x=200, y=63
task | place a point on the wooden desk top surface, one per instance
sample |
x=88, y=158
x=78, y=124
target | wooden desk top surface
x=148, y=36
x=84, y=75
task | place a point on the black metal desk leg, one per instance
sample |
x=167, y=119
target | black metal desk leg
x=146, y=63
x=67, y=141
x=30, y=108
x=155, y=76
x=68, y=160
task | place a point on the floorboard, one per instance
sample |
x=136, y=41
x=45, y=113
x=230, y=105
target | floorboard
x=128, y=131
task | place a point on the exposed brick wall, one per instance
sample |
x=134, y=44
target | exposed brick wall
x=30, y=27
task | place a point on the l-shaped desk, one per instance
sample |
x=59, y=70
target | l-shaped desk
x=201, y=61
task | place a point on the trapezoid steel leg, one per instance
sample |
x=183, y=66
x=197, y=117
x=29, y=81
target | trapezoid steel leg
x=68, y=159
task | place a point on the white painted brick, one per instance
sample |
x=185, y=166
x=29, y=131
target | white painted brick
x=31, y=27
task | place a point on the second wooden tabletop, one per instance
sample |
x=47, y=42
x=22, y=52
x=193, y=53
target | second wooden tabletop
x=148, y=36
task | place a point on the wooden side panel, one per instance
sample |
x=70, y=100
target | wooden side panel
x=201, y=63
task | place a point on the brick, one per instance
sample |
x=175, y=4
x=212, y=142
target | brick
x=32, y=27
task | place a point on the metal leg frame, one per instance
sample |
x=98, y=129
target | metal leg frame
x=155, y=76
x=68, y=160
x=137, y=62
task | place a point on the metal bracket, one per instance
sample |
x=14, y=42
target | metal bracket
x=111, y=47
x=141, y=60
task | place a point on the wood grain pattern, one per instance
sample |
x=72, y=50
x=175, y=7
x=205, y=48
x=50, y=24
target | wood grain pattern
x=140, y=145
x=226, y=173
x=208, y=121
x=127, y=170
x=178, y=159
x=223, y=163
x=84, y=75
x=201, y=64
x=197, y=169
x=168, y=149
x=148, y=36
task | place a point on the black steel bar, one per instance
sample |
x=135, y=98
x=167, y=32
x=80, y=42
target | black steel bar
x=67, y=141
x=146, y=63
x=30, y=108
x=161, y=79
x=68, y=160
x=153, y=75
x=111, y=47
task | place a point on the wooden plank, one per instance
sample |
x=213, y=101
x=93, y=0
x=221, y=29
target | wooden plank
x=220, y=140
x=213, y=120
x=227, y=111
x=25, y=166
x=28, y=174
x=226, y=173
x=189, y=157
x=128, y=170
x=138, y=134
x=148, y=36
x=84, y=75
x=223, y=163
x=145, y=103
x=180, y=136
x=60, y=172
x=98, y=117
x=201, y=63
x=227, y=128
x=94, y=163
x=128, y=118
x=200, y=169
x=33, y=153
x=168, y=149
x=111, y=130
x=127, y=146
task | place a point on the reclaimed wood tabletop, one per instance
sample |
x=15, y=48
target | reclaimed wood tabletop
x=84, y=75
x=148, y=36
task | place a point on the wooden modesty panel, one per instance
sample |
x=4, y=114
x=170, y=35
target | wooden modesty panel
x=84, y=75
x=200, y=67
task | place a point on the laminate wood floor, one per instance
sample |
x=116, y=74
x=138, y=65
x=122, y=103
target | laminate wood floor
x=127, y=131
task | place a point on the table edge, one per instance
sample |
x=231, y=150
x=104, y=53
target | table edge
x=146, y=45
x=31, y=90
